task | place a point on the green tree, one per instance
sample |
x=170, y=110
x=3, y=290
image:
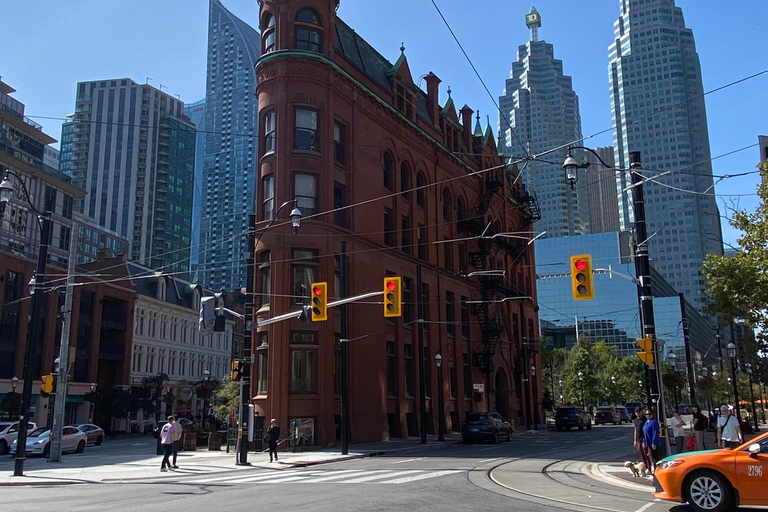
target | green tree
x=226, y=398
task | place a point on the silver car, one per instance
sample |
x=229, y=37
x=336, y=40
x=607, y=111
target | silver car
x=94, y=433
x=39, y=441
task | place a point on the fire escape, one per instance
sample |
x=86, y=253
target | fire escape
x=474, y=225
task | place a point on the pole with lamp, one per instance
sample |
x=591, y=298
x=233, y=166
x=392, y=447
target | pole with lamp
x=36, y=321
x=560, y=382
x=250, y=324
x=14, y=382
x=440, y=403
x=613, y=389
x=206, y=380
x=93, y=405
x=748, y=367
x=642, y=269
x=581, y=386
x=535, y=400
x=732, y=353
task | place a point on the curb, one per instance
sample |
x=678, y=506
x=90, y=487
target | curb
x=596, y=471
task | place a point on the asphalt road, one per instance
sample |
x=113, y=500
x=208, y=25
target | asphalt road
x=535, y=472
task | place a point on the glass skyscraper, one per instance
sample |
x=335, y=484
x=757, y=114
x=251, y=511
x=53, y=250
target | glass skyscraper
x=540, y=111
x=229, y=162
x=196, y=113
x=658, y=109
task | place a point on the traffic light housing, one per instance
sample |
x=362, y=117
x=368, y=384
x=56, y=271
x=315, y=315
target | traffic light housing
x=46, y=386
x=319, y=302
x=392, y=297
x=582, y=283
x=237, y=370
x=646, y=353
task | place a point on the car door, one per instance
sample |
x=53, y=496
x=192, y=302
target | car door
x=68, y=440
x=752, y=474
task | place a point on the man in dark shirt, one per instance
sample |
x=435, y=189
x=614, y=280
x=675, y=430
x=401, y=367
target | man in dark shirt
x=273, y=436
x=639, y=439
x=700, y=423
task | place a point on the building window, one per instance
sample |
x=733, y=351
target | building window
x=339, y=203
x=268, y=190
x=268, y=29
x=464, y=317
x=446, y=206
x=305, y=190
x=448, y=254
x=404, y=101
x=262, y=354
x=389, y=228
x=308, y=31
x=340, y=143
x=303, y=362
x=67, y=206
x=467, y=376
x=65, y=235
x=305, y=267
x=269, y=131
x=450, y=313
x=421, y=191
x=405, y=181
x=461, y=210
x=388, y=167
x=265, y=286
x=406, y=234
x=421, y=242
x=425, y=302
x=407, y=300
x=305, y=135
x=409, y=370
x=391, y=370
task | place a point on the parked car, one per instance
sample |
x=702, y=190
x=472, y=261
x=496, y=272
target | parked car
x=39, y=441
x=570, y=416
x=485, y=426
x=631, y=407
x=8, y=433
x=607, y=415
x=624, y=413
x=94, y=434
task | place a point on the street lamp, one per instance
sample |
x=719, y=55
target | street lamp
x=732, y=354
x=14, y=381
x=748, y=367
x=93, y=405
x=206, y=378
x=36, y=322
x=613, y=389
x=581, y=384
x=440, y=404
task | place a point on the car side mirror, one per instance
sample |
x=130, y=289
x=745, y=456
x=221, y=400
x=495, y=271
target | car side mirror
x=754, y=449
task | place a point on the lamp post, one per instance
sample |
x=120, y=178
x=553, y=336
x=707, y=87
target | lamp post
x=581, y=385
x=560, y=383
x=440, y=404
x=732, y=355
x=535, y=400
x=93, y=405
x=613, y=389
x=748, y=366
x=245, y=382
x=35, y=334
x=206, y=379
x=14, y=382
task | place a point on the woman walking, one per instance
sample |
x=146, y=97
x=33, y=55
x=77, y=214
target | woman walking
x=651, y=436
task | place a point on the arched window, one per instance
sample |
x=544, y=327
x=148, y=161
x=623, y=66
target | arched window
x=461, y=210
x=308, y=31
x=421, y=192
x=388, y=166
x=268, y=33
x=405, y=181
x=446, y=205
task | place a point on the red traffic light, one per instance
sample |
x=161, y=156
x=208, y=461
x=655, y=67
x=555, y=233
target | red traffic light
x=580, y=264
x=391, y=286
x=317, y=290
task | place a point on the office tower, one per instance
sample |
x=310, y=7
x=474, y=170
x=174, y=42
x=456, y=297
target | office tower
x=658, y=109
x=762, y=141
x=196, y=113
x=132, y=150
x=229, y=164
x=539, y=112
x=603, y=201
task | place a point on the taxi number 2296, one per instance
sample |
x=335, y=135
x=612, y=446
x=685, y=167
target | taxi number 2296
x=754, y=470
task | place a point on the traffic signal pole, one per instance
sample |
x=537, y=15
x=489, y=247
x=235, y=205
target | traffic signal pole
x=643, y=271
x=245, y=383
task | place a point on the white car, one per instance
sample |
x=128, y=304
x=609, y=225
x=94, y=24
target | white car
x=9, y=431
x=39, y=441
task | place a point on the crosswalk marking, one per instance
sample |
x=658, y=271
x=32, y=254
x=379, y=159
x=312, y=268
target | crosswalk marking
x=346, y=476
x=376, y=476
x=337, y=475
x=414, y=478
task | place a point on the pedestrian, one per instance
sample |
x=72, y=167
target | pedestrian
x=651, y=436
x=700, y=424
x=678, y=431
x=728, y=429
x=639, y=439
x=166, y=440
x=176, y=439
x=273, y=436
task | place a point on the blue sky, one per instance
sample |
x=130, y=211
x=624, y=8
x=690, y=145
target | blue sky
x=50, y=45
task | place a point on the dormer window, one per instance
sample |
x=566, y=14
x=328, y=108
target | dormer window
x=404, y=101
x=308, y=31
x=268, y=31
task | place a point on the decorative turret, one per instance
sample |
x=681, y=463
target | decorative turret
x=307, y=25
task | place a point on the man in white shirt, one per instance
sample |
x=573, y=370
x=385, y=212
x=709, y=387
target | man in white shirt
x=728, y=429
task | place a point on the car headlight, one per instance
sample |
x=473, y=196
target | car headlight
x=669, y=463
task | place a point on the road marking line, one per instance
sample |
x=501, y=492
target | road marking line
x=275, y=480
x=647, y=506
x=407, y=460
x=488, y=460
x=491, y=448
x=419, y=477
x=254, y=478
x=381, y=474
x=346, y=473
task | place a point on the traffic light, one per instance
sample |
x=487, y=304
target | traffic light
x=46, y=386
x=237, y=371
x=646, y=344
x=392, y=297
x=581, y=277
x=319, y=302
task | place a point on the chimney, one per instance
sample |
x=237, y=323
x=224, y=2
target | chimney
x=466, y=123
x=433, y=100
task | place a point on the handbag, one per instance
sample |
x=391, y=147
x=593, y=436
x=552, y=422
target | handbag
x=691, y=443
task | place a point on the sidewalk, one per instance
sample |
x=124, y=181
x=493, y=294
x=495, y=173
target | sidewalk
x=141, y=463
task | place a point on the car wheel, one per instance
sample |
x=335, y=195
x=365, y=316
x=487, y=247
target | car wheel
x=3, y=446
x=80, y=447
x=99, y=440
x=581, y=426
x=47, y=450
x=707, y=491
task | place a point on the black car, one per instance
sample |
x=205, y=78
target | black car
x=607, y=415
x=485, y=426
x=624, y=414
x=572, y=416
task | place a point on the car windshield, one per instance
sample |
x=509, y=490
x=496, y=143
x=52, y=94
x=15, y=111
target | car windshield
x=39, y=432
x=477, y=417
x=566, y=410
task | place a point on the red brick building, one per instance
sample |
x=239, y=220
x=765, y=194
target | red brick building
x=405, y=182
